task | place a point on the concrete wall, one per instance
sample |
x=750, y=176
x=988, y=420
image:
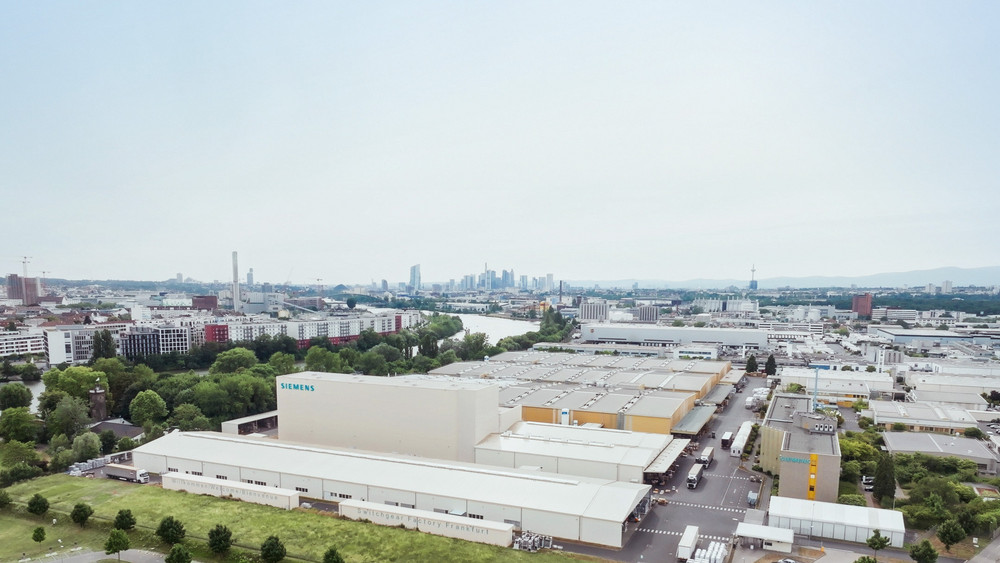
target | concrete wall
x=430, y=522
x=280, y=498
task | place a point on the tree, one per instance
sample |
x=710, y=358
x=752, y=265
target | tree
x=38, y=535
x=14, y=395
x=124, y=520
x=232, y=361
x=170, y=530
x=86, y=446
x=104, y=345
x=272, y=550
x=220, y=539
x=147, y=406
x=69, y=417
x=752, y=364
x=771, y=365
x=108, y=440
x=974, y=432
x=332, y=556
x=14, y=452
x=38, y=505
x=923, y=552
x=282, y=363
x=885, y=478
x=178, y=554
x=866, y=559
x=117, y=543
x=950, y=533
x=81, y=513
x=877, y=542
x=187, y=417
x=871, y=369
x=17, y=423
x=125, y=444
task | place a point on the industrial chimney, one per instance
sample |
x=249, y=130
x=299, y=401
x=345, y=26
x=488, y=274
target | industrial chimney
x=236, y=285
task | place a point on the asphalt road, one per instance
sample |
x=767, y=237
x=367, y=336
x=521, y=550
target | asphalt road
x=716, y=506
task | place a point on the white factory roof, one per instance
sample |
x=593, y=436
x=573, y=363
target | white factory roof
x=928, y=414
x=422, y=381
x=622, y=447
x=600, y=499
x=768, y=533
x=955, y=397
x=810, y=510
x=937, y=444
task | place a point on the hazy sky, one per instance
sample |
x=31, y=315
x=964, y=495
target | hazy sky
x=347, y=141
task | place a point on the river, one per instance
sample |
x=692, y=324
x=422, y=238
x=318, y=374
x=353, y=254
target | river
x=496, y=328
x=37, y=388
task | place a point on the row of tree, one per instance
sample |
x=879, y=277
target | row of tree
x=770, y=366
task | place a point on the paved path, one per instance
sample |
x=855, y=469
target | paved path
x=989, y=554
x=132, y=556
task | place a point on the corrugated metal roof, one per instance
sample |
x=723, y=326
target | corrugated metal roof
x=815, y=511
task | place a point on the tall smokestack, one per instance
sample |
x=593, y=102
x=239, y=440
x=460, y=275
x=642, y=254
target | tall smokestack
x=236, y=284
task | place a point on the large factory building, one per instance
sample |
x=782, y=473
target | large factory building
x=442, y=419
x=587, y=509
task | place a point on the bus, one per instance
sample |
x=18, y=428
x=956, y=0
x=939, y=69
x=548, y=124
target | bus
x=694, y=477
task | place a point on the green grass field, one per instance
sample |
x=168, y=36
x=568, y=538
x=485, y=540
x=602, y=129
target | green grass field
x=306, y=534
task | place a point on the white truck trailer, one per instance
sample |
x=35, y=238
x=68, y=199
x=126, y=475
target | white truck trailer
x=688, y=543
x=126, y=473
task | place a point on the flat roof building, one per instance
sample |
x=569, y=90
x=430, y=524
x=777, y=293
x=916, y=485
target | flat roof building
x=443, y=418
x=921, y=417
x=669, y=336
x=940, y=445
x=802, y=447
x=575, y=508
x=836, y=521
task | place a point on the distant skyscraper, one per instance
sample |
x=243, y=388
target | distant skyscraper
x=415, y=277
x=180, y=277
x=549, y=282
x=862, y=305
x=250, y=277
x=385, y=285
x=753, y=275
x=524, y=282
x=946, y=287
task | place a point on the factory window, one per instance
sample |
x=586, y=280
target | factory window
x=198, y=473
x=261, y=483
x=171, y=469
x=302, y=489
x=391, y=503
x=812, y=488
x=223, y=477
x=476, y=516
x=342, y=495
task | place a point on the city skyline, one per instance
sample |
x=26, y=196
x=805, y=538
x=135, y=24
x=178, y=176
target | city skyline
x=659, y=141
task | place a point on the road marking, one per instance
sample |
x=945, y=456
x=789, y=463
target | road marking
x=691, y=504
x=673, y=533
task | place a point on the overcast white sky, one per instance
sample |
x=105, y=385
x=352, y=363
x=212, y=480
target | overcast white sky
x=606, y=140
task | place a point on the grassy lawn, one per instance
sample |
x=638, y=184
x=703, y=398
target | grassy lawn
x=848, y=488
x=306, y=534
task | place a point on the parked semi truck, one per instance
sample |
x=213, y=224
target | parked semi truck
x=688, y=543
x=126, y=473
x=707, y=455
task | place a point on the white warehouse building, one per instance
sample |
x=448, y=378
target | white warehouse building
x=584, y=509
x=670, y=336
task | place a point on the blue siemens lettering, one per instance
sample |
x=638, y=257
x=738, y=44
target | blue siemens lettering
x=298, y=387
x=794, y=459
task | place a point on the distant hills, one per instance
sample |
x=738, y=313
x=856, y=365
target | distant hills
x=985, y=276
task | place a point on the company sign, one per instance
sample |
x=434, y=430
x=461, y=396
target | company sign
x=298, y=387
x=795, y=460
